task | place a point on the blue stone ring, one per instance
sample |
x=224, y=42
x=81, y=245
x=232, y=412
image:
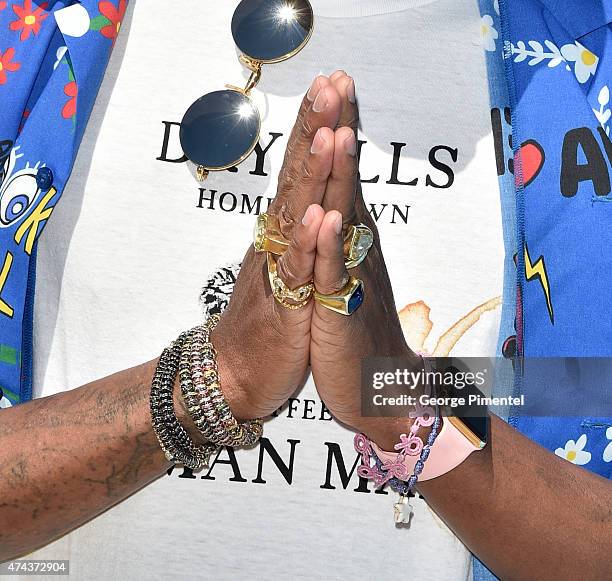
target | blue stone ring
x=345, y=301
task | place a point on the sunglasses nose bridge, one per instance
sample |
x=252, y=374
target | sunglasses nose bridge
x=255, y=67
x=252, y=82
x=250, y=85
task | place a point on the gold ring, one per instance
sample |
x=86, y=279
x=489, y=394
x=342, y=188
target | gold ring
x=357, y=243
x=267, y=235
x=347, y=300
x=289, y=298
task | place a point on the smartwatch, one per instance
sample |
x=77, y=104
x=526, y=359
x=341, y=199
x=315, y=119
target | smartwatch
x=463, y=432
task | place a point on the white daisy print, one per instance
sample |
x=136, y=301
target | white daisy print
x=488, y=34
x=585, y=62
x=608, y=451
x=496, y=6
x=574, y=451
x=4, y=402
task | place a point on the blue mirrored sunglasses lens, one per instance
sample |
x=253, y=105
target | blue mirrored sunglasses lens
x=269, y=30
x=220, y=129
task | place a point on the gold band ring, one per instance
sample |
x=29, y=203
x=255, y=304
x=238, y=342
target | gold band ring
x=347, y=300
x=268, y=237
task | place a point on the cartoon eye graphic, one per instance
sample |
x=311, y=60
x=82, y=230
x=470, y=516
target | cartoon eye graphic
x=18, y=194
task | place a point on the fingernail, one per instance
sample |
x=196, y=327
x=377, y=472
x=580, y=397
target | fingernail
x=320, y=103
x=307, y=219
x=337, y=74
x=350, y=145
x=314, y=89
x=318, y=143
x=350, y=92
x=338, y=224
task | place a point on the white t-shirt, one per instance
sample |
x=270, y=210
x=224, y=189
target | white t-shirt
x=134, y=239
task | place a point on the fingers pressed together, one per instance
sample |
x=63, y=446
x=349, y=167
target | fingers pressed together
x=317, y=185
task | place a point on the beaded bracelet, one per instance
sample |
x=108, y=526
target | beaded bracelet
x=176, y=444
x=201, y=390
x=197, y=367
x=193, y=357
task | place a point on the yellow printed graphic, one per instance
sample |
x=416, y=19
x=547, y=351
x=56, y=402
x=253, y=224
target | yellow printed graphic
x=5, y=308
x=537, y=270
x=30, y=224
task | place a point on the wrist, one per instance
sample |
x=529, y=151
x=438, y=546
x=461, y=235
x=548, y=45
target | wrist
x=232, y=384
x=385, y=431
x=236, y=397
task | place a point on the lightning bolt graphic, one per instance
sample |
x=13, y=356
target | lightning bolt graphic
x=537, y=270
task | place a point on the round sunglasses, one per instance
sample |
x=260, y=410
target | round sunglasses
x=221, y=129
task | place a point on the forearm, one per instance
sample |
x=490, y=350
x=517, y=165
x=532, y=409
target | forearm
x=66, y=458
x=526, y=513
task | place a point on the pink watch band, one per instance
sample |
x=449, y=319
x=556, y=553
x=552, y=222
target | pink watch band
x=450, y=449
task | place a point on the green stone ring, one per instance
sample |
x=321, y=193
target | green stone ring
x=357, y=243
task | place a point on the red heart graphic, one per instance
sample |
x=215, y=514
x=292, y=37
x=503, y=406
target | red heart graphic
x=531, y=158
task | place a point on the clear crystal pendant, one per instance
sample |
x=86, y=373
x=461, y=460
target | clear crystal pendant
x=402, y=510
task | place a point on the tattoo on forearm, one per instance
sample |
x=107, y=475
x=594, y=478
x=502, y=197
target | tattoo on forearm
x=66, y=458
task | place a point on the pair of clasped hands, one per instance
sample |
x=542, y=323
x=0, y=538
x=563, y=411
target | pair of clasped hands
x=264, y=350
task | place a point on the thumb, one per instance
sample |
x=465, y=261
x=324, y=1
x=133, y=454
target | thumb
x=296, y=266
x=330, y=274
